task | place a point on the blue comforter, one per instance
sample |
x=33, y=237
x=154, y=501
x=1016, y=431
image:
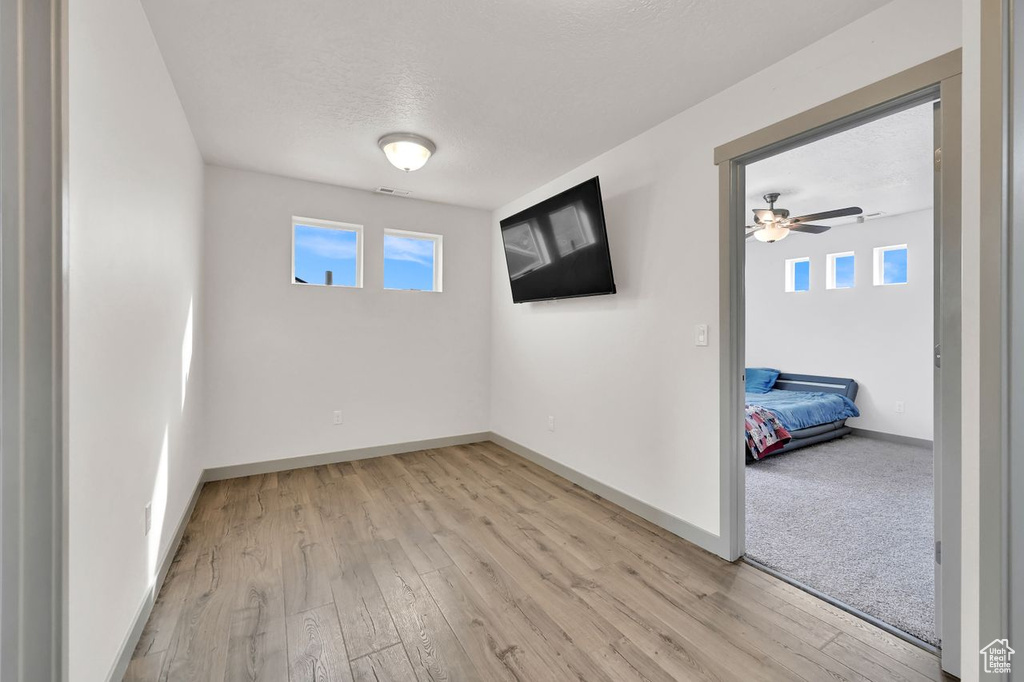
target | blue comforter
x=803, y=409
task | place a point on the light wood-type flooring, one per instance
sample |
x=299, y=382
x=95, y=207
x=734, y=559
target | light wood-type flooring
x=472, y=563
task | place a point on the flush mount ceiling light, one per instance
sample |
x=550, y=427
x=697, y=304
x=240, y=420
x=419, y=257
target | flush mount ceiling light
x=406, y=151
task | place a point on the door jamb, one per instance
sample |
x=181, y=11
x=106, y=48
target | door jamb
x=33, y=289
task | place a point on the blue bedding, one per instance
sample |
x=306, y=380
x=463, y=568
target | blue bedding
x=804, y=409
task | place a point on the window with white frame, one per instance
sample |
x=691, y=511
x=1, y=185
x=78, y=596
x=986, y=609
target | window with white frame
x=327, y=253
x=798, y=274
x=412, y=261
x=891, y=265
x=839, y=270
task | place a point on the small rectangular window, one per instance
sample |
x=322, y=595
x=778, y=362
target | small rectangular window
x=839, y=270
x=327, y=253
x=412, y=261
x=891, y=265
x=798, y=274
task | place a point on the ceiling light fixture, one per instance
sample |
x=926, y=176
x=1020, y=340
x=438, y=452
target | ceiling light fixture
x=774, y=224
x=771, y=232
x=406, y=151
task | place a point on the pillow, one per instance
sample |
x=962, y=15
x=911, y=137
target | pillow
x=761, y=379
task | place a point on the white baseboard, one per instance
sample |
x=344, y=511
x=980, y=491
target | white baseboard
x=892, y=438
x=131, y=639
x=684, y=529
x=272, y=465
x=673, y=524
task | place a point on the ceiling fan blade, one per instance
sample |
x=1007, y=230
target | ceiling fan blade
x=751, y=232
x=825, y=215
x=810, y=229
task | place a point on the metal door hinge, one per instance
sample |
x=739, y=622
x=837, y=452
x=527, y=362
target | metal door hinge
x=938, y=355
x=938, y=552
x=938, y=159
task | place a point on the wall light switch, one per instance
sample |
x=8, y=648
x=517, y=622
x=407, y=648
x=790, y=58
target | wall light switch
x=551, y=423
x=337, y=417
x=900, y=407
x=701, y=337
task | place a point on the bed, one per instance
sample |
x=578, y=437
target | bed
x=810, y=409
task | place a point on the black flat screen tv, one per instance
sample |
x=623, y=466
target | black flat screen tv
x=559, y=248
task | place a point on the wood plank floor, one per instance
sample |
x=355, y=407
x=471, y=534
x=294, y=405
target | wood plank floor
x=471, y=563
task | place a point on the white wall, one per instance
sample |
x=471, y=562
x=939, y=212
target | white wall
x=400, y=365
x=636, y=403
x=135, y=205
x=881, y=336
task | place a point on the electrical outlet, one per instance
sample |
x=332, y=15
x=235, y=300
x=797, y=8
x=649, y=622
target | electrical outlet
x=149, y=516
x=551, y=423
x=337, y=417
x=900, y=407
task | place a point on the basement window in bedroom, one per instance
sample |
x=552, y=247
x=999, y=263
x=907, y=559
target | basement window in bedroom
x=326, y=253
x=798, y=274
x=839, y=270
x=412, y=261
x=891, y=265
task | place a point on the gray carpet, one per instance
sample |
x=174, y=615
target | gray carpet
x=853, y=519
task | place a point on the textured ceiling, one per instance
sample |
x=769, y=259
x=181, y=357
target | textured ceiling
x=513, y=92
x=885, y=165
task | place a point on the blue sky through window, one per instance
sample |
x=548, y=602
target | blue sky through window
x=894, y=266
x=319, y=249
x=802, y=276
x=408, y=263
x=844, y=272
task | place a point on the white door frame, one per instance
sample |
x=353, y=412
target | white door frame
x=935, y=79
x=32, y=340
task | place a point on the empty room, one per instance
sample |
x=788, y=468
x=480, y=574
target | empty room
x=461, y=340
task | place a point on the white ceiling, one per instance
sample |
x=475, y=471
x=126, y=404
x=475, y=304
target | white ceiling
x=885, y=165
x=514, y=93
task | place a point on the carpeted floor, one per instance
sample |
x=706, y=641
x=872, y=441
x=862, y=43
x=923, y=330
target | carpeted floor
x=853, y=519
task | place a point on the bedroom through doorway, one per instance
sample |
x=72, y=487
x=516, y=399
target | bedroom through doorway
x=840, y=291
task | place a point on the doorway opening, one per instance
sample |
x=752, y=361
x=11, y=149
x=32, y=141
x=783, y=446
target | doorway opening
x=935, y=84
x=839, y=398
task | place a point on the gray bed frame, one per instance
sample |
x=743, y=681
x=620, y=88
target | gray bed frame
x=801, y=438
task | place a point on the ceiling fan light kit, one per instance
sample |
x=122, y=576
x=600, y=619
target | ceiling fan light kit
x=771, y=233
x=774, y=224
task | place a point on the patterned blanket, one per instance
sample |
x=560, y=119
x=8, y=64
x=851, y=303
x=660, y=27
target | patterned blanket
x=765, y=433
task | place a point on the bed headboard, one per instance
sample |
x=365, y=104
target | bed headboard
x=810, y=382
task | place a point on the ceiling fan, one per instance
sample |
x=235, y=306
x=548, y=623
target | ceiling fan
x=774, y=224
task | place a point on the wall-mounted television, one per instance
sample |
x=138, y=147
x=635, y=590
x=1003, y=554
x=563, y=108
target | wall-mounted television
x=559, y=248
